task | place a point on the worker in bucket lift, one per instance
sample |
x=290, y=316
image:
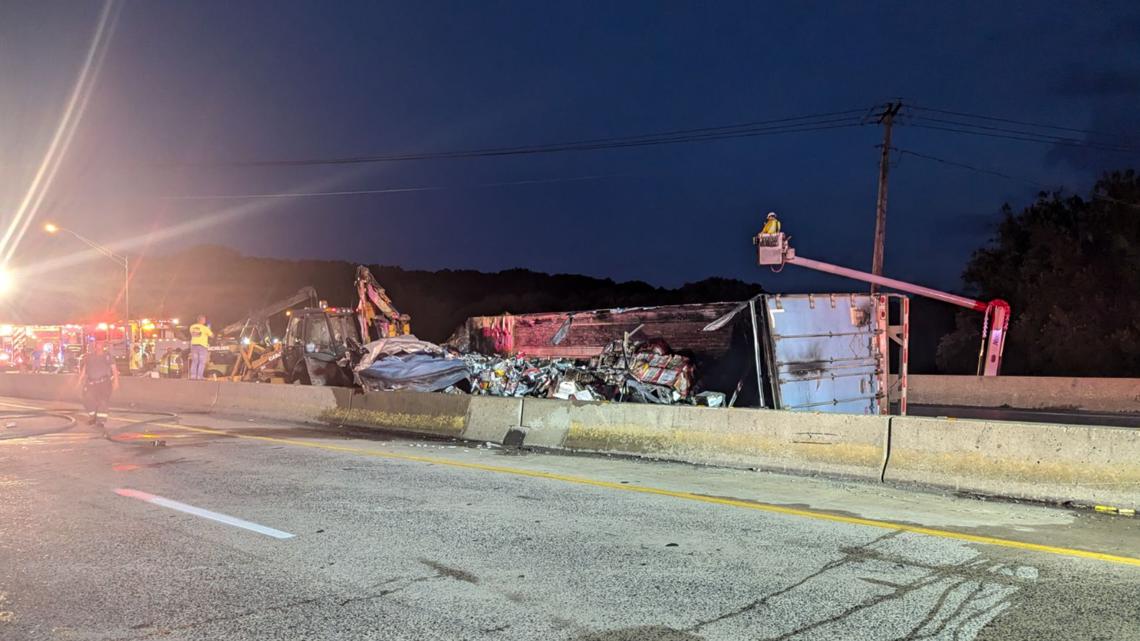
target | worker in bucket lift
x=772, y=225
x=200, y=335
x=98, y=377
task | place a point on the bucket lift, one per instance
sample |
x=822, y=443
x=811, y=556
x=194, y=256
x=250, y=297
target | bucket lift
x=774, y=250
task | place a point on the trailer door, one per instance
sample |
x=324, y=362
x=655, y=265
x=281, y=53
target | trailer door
x=825, y=352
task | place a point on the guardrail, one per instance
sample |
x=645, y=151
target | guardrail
x=1085, y=465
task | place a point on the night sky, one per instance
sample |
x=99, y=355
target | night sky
x=189, y=86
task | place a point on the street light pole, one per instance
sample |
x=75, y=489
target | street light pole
x=121, y=259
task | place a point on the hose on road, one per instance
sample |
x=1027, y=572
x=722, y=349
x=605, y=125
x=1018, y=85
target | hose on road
x=6, y=416
x=70, y=422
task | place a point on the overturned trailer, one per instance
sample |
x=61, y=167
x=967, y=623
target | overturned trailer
x=815, y=352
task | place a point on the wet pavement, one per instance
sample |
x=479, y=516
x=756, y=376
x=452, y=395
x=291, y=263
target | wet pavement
x=241, y=529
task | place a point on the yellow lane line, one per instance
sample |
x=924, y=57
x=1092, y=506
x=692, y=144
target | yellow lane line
x=688, y=496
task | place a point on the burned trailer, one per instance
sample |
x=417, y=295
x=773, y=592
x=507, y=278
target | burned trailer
x=812, y=352
x=722, y=359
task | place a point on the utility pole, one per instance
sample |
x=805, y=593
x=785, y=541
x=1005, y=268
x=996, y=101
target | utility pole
x=887, y=118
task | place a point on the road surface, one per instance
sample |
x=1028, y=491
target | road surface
x=238, y=529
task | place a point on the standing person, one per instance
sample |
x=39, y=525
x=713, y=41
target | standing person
x=200, y=335
x=99, y=377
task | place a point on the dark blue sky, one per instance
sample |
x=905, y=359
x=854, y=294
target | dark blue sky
x=202, y=82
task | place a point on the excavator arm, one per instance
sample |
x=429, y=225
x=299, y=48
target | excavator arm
x=375, y=309
x=306, y=296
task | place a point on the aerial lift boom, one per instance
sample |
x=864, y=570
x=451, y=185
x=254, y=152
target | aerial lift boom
x=773, y=250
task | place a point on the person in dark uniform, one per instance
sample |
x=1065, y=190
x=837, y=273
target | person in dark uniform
x=99, y=377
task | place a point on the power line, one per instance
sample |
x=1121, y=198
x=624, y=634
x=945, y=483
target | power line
x=794, y=124
x=999, y=174
x=1061, y=141
x=1022, y=122
x=983, y=170
x=387, y=190
x=1033, y=134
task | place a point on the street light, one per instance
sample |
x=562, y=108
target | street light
x=5, y=281
x=119, y=259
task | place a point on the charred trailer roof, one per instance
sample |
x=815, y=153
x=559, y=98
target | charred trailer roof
x=584, y=334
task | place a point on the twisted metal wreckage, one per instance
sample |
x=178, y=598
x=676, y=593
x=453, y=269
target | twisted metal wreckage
x=826, y=352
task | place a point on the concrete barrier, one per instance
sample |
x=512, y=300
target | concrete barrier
x=133, y=392
x=835, y=444
x=1054, y=463
x=43, y=387
x=283, y=402
x=490, y=418
x=171, y=395
x=1027, y=392
x=419, y=413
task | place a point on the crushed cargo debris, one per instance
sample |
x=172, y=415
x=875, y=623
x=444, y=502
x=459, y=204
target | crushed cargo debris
x=629, y=371
x=514, y=376
x=407, y=363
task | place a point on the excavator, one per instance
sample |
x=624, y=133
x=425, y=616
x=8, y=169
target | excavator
x=320, y=343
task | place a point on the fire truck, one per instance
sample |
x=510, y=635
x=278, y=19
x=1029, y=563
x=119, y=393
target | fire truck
x=56, y=348
x=145, y=345
x=41, y=348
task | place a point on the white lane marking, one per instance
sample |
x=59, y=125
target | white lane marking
x=206, y=514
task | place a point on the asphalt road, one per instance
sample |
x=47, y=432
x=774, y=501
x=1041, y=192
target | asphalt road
x=357, y=535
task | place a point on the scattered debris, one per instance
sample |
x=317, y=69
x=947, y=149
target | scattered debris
x=406, y=362
x=710, y=399
x=645, y=372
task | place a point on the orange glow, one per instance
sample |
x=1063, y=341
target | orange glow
x=51, y=228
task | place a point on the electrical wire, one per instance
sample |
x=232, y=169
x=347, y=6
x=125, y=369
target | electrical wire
x=794, y=124
x=389, y=190
x=1051, y=138
x=999, y=174
x=1061, y=142
x=982, y=170
x=965, y=114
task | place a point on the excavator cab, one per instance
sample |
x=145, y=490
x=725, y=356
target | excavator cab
x=321, y=345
